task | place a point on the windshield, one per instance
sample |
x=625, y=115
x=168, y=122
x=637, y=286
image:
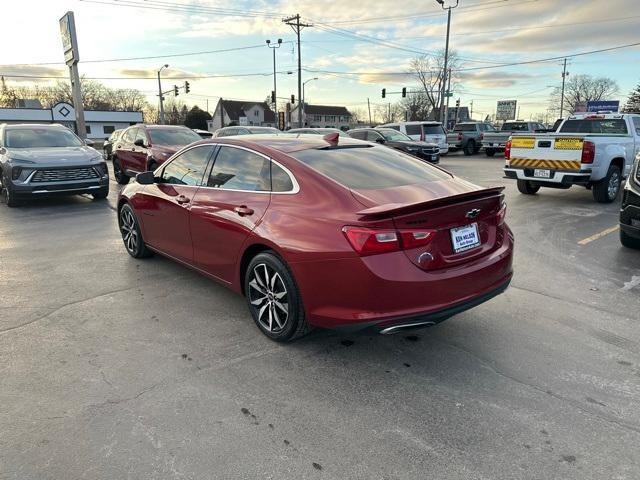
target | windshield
x=38, y=137
x=173, y=136
x=613, y=126
x=369, y=168
x=263, y=130
x=515, y=126
x=394, y=136
x=465, y=127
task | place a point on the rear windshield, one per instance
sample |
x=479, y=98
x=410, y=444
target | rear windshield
x=613, y=126
x=263, y=130
x=465, y=127
x=40, y=138
x=169, y=136
x=370, y=168
x=433, y=129
x=515, y=126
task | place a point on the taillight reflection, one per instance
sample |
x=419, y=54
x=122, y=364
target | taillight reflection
x=370, y=241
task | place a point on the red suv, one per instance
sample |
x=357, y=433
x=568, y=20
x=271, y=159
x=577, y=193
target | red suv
x=141, y=148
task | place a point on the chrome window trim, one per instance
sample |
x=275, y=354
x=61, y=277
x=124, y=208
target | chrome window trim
x=184, y=149
x=296, y=185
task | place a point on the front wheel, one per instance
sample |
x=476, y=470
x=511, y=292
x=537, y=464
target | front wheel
x=606, y=190
x=628, y=241
x=118, y=173
x=274, y=299
x=101, y=194
x=5, y=190
x=131, y=233
x=526, y=187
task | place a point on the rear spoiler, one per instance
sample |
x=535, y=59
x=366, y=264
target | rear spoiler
x=396, y=209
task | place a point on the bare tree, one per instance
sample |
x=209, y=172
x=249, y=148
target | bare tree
x=389, y=113
x=416, y=105
x=359, y=114
x=581, y=89
x=428, y=70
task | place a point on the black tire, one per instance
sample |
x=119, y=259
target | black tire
x=266, y=281
x=628, y=241
x=607, y=189
x=121, y=177
x=5, y=191
x=131, y=233
x=489, y=152
x=526, y=187
x=470, y=148
x=101, y=194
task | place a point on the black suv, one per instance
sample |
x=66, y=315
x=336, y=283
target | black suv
x=630, y=209
x=398, y=140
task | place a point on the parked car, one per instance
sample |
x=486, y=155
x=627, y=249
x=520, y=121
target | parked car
x=496, y=141
x=39, y=160
x=203, y=133
x=595, y=151
x=107, y=147
x=146, y=147
x=231, y=131
x=432, y=132
x=395, y=139
x=323, y=231
x=467, y=136
x=318, y=131
x=630, y=209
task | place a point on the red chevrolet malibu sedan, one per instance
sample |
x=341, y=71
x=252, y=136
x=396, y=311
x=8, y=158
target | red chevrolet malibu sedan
x=323, y=231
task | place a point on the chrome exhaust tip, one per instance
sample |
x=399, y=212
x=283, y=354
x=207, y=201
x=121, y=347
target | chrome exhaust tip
x=396, y=328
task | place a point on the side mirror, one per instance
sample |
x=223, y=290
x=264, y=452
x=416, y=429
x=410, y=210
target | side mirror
x=380, y=140
x=139, y=142
x=146, y=178
x=88, y=142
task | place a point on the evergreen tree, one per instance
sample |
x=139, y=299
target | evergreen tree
x=633, y=103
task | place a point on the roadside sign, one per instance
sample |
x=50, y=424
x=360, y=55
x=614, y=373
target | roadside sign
x=611, y=105
x=506, y=110
x=69, y=40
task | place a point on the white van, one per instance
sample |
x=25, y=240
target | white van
x=431, y=132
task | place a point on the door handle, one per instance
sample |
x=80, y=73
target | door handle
x=243, y=210
x=182, y=199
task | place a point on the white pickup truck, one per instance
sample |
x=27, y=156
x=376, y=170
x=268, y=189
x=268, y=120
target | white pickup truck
x=595, y=151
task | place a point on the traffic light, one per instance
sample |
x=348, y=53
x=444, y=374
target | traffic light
x=175, y=90
x=186, y=87
x=384, y=92
x=404, y=92
x=458, y=103
x=293, y=99
x=273, y=96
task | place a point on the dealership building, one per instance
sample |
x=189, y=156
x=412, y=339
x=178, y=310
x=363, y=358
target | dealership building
x=100, y=124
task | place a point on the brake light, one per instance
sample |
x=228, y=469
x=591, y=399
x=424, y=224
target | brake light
x=507, y=150
x=588, y=152
x=370, y=241
x=482, y=136
x=459, y=137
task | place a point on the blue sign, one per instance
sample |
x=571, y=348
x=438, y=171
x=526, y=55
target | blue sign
x=603, y=105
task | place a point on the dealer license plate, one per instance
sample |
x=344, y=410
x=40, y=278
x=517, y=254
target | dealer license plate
x=542, y=173
x=465, y=238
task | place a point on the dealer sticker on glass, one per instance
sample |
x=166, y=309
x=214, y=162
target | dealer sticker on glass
x=465, y=238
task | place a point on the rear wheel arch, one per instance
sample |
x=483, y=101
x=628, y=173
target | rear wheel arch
x=618, y=162
x=250, y=252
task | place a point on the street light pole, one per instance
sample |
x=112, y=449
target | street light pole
x=446, y=60
x=302, y=106
x=160, y=94
x=275, y=90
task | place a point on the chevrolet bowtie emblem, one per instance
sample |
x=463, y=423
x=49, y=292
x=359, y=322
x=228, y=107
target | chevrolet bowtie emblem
x=473, y=213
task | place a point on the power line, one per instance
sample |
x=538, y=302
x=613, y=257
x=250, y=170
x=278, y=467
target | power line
x=183, y=77
x=172, y=7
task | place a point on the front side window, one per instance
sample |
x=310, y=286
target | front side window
x=39, y=137
x=130, y=135
x=372, y=136
x=358, y=135
x=141, y=136
x=188, y=168
x=394, y=136
x=239, y=169
x=636, y=124
x=173, y=136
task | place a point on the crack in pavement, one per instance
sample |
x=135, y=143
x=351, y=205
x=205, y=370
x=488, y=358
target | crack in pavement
x=606, y=418
x=123, y=400
x=57, y=309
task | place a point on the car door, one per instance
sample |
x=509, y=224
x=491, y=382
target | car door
x=228, y=207
x=138, y=154
x=373, y=136
x=165, y=205
x=123, y=147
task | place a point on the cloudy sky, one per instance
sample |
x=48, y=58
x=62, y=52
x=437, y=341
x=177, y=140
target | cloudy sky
x=354, y=48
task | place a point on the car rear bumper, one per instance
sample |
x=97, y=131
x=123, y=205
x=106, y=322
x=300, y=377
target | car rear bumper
x=383, y=291
x=559, y=177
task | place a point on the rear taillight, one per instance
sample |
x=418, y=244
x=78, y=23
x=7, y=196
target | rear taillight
x=370, y=241
x=588, y=152
x=482, y=136
x=507, y=150
x=459, y=137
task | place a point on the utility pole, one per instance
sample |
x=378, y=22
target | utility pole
x=564, y=74
x=445, y=123
x=275, y=90
x=160, y=95
x=221, y=114
x=389, y=114
x=446, y=55
x=294, y=23
x=471, y=114
x=369, y=105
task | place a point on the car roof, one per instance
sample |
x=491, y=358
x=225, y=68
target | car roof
x=33, y=125
x=413, y=122
x=285, y=143
x=157, y=127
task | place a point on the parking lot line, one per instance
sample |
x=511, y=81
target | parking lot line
x=601, y=234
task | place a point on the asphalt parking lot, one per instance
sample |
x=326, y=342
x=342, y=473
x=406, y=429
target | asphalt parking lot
x=117, y=368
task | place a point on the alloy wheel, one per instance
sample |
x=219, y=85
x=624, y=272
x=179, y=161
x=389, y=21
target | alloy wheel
x=117, y=171
x=614, y=185
x=268, y=296
x=129, y=230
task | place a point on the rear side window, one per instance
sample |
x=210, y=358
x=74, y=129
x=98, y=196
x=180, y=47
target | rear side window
x=395, y=127
x=358, y=135
x=636, y=124
x=433, y=129
x=613, y=126
x=413, y=129
x=239, y=169
x=280, y=180
x=369, y=168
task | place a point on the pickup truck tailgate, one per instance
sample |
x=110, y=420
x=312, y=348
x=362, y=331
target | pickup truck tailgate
x=546, y=151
